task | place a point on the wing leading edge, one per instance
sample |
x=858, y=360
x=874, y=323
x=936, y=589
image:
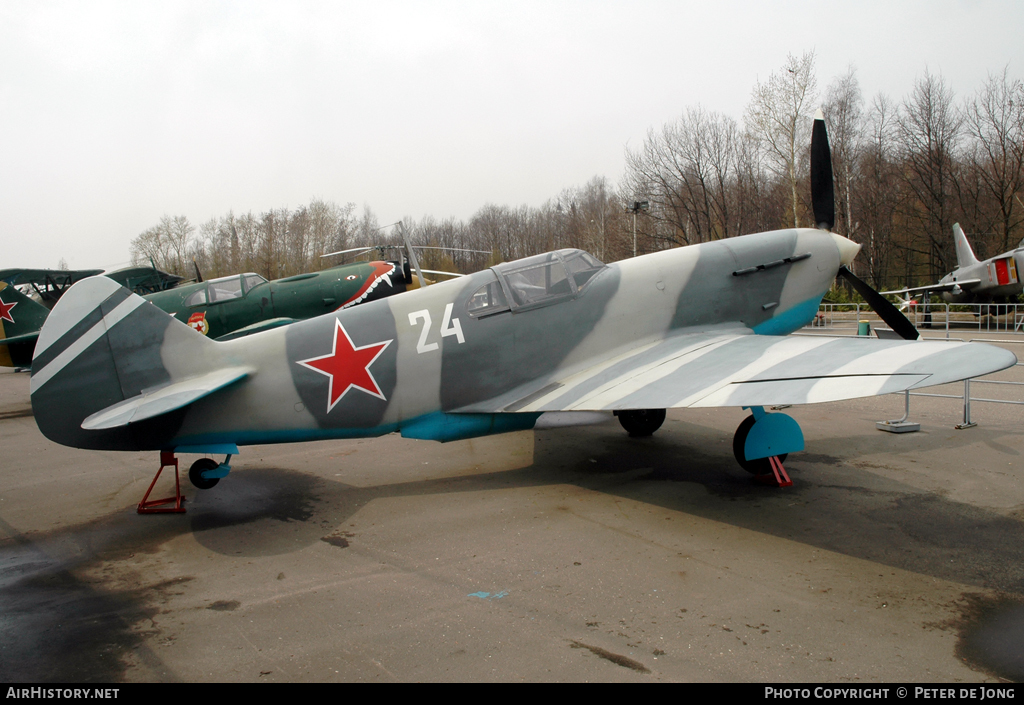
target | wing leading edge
x=737, y=368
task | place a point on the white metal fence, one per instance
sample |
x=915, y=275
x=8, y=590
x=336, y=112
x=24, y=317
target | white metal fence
x=937, y=317
x=941, y=320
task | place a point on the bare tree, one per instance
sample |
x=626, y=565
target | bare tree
x=166, y=245
x=877, y=196
x=845, y=120
x=685, y=172
x=331, y=229
x=995, y=121
x=929, y=128
x=779, y=113
x=759, y=204
x=296, y=246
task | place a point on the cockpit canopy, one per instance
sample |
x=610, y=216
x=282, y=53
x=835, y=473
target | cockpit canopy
x=536, y=281
x=225, y=289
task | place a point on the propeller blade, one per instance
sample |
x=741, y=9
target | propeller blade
x=824, y=203
x=882, y=306
x=822, y=194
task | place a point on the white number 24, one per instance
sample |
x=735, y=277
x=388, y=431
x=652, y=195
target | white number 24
x=449, y=326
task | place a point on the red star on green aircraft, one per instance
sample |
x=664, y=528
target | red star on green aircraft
x=5, y=311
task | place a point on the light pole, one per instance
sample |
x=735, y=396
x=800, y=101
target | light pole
x=636, y=208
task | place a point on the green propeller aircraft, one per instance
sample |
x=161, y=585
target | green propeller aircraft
x=243, y=304
x=517, y=346
x=227, y=307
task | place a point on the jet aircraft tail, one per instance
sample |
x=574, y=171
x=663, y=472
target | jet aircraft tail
x=20, y=321
x=111, y=370
x=964, y=254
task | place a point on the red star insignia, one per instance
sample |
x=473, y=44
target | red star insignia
x=347, y=366
x=5, y=311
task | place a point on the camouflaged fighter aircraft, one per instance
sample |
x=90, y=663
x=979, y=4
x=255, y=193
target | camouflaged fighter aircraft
x=508, y=348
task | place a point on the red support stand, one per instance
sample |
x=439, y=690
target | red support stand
x=779, y=478
x=156, y=506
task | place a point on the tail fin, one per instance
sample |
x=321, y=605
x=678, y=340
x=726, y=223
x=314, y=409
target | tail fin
x=20, y=321
x=964, y=254
x=102, y=345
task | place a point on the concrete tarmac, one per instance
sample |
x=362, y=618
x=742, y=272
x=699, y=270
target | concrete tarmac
x=575, y=554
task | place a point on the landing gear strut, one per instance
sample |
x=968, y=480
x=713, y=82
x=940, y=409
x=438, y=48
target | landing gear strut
x=205, y=473
x=641, y=422
x=760, y=466
x=195, y=473
x=763, y=441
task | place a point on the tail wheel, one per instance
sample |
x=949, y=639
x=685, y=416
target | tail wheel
x=761, y=466
x=195, y=473
x=641, y=422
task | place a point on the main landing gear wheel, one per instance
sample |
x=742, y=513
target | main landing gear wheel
x=195, y=473
x=641, y=422
x=761, y=466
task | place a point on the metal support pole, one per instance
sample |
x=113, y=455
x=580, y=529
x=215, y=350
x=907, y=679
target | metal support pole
x=900, y=425
x=634, y=232
x=636, y=208
x=967, y=407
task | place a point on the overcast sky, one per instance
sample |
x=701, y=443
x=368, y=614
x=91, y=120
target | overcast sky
x=113, y=114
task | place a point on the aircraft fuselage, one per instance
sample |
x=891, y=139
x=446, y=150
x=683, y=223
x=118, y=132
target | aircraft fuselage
x=1000, y=276
x=403, y=362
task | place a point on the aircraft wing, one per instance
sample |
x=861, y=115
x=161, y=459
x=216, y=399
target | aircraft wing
x=18, y=276
x=738, y=368
x=948, y=286
x=144, y=280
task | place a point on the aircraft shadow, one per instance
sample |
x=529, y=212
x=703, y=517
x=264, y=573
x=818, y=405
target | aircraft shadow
x=833, y=505
x=57, y=625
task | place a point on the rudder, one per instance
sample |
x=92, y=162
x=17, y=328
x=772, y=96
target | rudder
x=101, y=345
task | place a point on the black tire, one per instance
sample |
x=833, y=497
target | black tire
x=195, y=473
x=641, y=422
x=761, y=466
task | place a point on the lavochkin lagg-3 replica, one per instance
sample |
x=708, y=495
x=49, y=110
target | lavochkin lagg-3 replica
x=507, y=348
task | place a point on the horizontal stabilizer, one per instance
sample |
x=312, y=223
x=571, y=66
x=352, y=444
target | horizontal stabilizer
x=154, y=402
x=16, y=339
